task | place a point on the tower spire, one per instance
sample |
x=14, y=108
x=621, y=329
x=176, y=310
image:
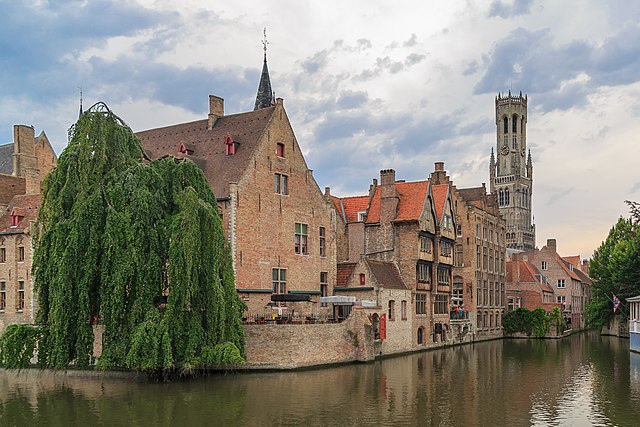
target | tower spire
x=264, y=98
x=80, y=89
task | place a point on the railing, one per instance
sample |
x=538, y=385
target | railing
x=458, y=315
x=274, y=319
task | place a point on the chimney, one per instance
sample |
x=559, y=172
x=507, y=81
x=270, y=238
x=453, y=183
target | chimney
x=25, y=163
x=279, y=101
x=439, y=176
x=551, y=243
x=388, y=196
x=372, y=187
x=216, y=110
x=327, y=191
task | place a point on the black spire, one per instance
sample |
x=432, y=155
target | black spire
x=264, y=98
x=79, y=115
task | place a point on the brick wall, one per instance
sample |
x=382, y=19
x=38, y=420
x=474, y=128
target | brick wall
x=11, y=273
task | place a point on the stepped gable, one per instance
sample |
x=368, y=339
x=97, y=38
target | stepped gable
x=345, y=270
x=26, y=206
x=6, y=159
x=208, y=145
x=471, y=194
x=411, y=197
x=386, y=274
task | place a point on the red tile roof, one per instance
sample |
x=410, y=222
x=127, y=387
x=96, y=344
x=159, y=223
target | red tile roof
x=525, y=272
x=573, y=260
x=565, y=267
x=439, y=198
x=348, y=207
x=209, y=150
x=411, y=197
x=345, y=270
x=26, y=206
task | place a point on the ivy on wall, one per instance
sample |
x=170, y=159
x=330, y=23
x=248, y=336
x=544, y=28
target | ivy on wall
x=532, y=322
x=137, y=246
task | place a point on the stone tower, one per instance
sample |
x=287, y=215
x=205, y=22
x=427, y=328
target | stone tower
x=511, y=171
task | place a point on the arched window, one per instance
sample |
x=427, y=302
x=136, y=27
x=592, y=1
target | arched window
x=505, y=125
x=514, y=142
x=501, y=198
x=420, y=335
x=506, y=197
x=514, y=123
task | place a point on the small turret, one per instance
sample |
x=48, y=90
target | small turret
x=264, y=98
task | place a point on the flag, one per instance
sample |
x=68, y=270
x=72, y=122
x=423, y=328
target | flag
x=616, y=302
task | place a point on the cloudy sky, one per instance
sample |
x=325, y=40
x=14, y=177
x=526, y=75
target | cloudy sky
x=367, y=85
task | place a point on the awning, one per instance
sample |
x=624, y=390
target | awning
x=290, y=297
x=339, y=299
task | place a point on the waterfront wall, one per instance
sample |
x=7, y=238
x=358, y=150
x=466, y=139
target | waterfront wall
x=297, y=346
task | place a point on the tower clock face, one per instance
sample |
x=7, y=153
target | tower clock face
x=505, y=150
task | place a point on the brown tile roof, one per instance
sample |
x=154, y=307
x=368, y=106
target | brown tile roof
x=573, y=260
x=411, y=197
x=345, y=270
x=11, y=186
x=6, y=158
x=209, y=151
x=439, y=198
x=475, y=193
x=348, y=207
x=24, y=205
x=565, y=267
x=386, y=274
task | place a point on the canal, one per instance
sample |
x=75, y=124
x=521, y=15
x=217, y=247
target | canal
x=582, y=380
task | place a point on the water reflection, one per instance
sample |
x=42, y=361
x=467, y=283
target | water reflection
x=583, y=380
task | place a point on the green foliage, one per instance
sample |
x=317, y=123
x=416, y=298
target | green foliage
x=17, y=346
x=532, y=322
x=137, y=246
x=615, y=268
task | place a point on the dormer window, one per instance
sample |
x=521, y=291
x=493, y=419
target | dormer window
x=362, y=215
x=185, y=149
x=230, y=145
x=280, y=149
x=15, y=219
x=362, y=279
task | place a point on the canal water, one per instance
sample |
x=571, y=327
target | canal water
x=582, y=380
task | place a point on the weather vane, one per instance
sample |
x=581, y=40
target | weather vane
x=265, y=43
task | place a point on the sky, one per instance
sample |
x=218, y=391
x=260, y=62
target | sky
x=367, y=85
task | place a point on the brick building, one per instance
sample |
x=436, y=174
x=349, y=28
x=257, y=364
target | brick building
x=528, y=287
x=479, y=283
x=570, y=286
x=412, y=226
x=24, y=163
x=280, y=227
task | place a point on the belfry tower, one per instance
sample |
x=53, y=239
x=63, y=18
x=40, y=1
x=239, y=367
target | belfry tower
x=511, y=171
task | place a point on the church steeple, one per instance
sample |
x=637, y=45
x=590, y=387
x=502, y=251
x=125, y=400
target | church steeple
x=264, y=98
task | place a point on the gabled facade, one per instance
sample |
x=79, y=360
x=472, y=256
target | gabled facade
x=527, y=287
x=23, y=166
x=412, y=225
x=479, y=284
x=279, y=226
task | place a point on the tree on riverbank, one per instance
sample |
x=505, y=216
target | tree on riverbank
x=615, y=268
x=137, y=246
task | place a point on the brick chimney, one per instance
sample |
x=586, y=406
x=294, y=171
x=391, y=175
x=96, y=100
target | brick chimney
x=25, y=162
x=551, y=244
x=388, y=196
x=439, y=176
x=216, y=110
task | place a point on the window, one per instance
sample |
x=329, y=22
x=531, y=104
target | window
x=561, y=299
x=510, y=304
x=392, y=310
x=322, y=242
x=281, y=183
x=459, y=230
x=362, y=215
x=230, y=146
x=421, y=303
x=443, y=276
x=324, y=286
x=3, y=296
x=3, y=255
x=506, y=197
x=424, y=272
x=425, y=244
x=543, y=265
x=403, y=310
x=280, y=149
x=445, y=248
x=20, y=295
x=441, y=304
x=20, y=253
x=514, y=142
x=505, y=125
x=457, y=259
x=478, y=257
x=363, y=279
x=301, y=239
x=447, y=223
x=561, y=283
x=279, y=280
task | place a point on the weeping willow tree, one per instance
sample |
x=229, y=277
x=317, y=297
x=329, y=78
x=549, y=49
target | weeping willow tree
x=137, y=246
